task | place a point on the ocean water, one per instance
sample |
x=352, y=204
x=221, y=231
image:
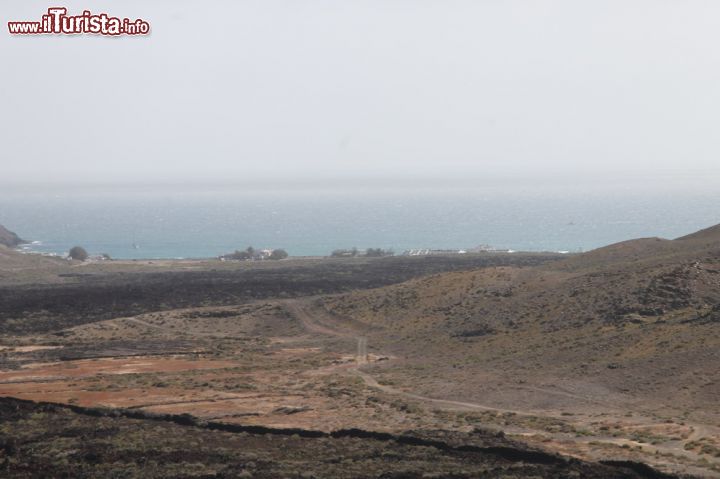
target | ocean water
x=168, y=223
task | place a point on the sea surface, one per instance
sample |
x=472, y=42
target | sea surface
x=201, y=223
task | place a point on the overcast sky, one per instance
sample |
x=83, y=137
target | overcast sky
x=300, y=89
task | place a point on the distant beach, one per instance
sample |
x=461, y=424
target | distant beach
x=207, y=224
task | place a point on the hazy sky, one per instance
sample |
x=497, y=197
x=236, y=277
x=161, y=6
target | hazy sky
x=296, y=89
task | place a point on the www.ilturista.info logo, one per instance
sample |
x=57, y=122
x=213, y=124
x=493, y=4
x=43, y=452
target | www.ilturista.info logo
x=57, y=21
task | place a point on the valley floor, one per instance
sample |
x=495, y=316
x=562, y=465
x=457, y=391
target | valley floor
x=293, y=363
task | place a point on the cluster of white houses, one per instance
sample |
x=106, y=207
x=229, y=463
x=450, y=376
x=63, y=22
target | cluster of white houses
x=252, y=254
x=431, y=252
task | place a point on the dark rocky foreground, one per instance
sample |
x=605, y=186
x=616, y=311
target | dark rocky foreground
x=51, y=440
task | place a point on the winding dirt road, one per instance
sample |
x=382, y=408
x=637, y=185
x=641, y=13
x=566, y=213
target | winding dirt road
x=322, y=322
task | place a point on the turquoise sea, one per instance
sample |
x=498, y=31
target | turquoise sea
x=197, y=223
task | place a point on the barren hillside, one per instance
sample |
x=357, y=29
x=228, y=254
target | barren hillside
x=633, y=326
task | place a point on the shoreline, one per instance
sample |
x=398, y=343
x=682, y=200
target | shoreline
x=290, y=258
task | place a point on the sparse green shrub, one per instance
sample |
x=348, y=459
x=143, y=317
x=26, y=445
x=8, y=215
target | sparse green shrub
x=78, y=253
x=278, y=254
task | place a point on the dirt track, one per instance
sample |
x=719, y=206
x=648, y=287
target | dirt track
x=334, y=327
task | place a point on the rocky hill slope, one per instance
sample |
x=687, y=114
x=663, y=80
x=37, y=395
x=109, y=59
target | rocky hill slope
x=9, y=239
x=637, y=323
